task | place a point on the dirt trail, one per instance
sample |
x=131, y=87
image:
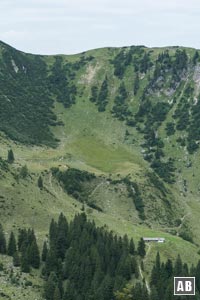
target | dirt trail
x=101, y=183
x=52, y=187
x=146, y=283
x=140, y=270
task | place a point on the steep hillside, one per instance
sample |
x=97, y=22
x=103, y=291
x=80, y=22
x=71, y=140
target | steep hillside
x=112, y=131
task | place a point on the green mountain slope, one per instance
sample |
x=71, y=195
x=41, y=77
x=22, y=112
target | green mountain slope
x=126, y=116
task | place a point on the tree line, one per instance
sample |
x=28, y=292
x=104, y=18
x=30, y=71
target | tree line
x=24, y=249
x=81, y=261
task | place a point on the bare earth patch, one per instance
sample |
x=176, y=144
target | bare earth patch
x=89, y=75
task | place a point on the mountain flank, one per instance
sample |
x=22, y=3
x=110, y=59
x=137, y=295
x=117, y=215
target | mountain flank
x=113, y=132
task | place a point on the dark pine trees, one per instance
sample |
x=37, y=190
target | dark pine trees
x=11, y=245
x=40, y=182
x=29, y=251
x=2, y=241
x=141, y=248
x=11, y=157
x=94, y=263
x=44, y=251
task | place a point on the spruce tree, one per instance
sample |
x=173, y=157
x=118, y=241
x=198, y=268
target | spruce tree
x=53, y=231
x=135, y=268
x=197, y=275
x=22, y=239
x=11, y=157
x=132, y=247
x=16, y=259
x=2, y=241
x=34, y=255
x=57, y=295
x=178, y=266
x=154, y=276
x=185, y=270
x=126, y=243
x=50, y=286
x=136, y=84
x=158, y=267
x=61, y=243
x=40, y=182
x=141, y=248
x=51, y=264
x=195, y=57
x=24, y=172
x=44, y=251
x=107, y=288
x=145, y=295
x=11, y=244
x=137, y=292
x=169, y=268
x=70, y=291
x=154, y=294
x=25, y=267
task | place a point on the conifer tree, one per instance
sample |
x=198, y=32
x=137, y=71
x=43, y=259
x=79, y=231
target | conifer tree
x=154, y=294
x=53, y=231
x=22, y=239
x=103, y=94
x=178, y=267
x=124, y=268
x=195, y=57
x=62, y=236
x=126, y=243
x=185, y=270
x=158, y=267
x=137, y=292
x=124, y=294
x=107, y=288
x=57, y=295
x=50, y=286
x=132, y=247
x=11, y=157
x=136, y=84
x=44, y=251
x=197, y=275
x=141, y=248
x=31, y=236
x=34, y=255
x=2, y=241
x=169, y=268
x=24, y=172
x=11, y=244
x=96, y=263
x=69, y=292
x=145, y=295
x=154, y=276
x=142, y=265
x=51, y=264
x=16, y=259
x=135, y=268
x=25, y=267
x=40, y=182
x=168, y=293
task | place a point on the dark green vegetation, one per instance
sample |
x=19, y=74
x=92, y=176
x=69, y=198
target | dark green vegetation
x=162, y=281
x=134, y=193
x=81, y=261
x=112, y=133
x=25, y=251
x=162, y=277
x=73, y=182
x=94, y=262
x=100, y=97
x=26, y=106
